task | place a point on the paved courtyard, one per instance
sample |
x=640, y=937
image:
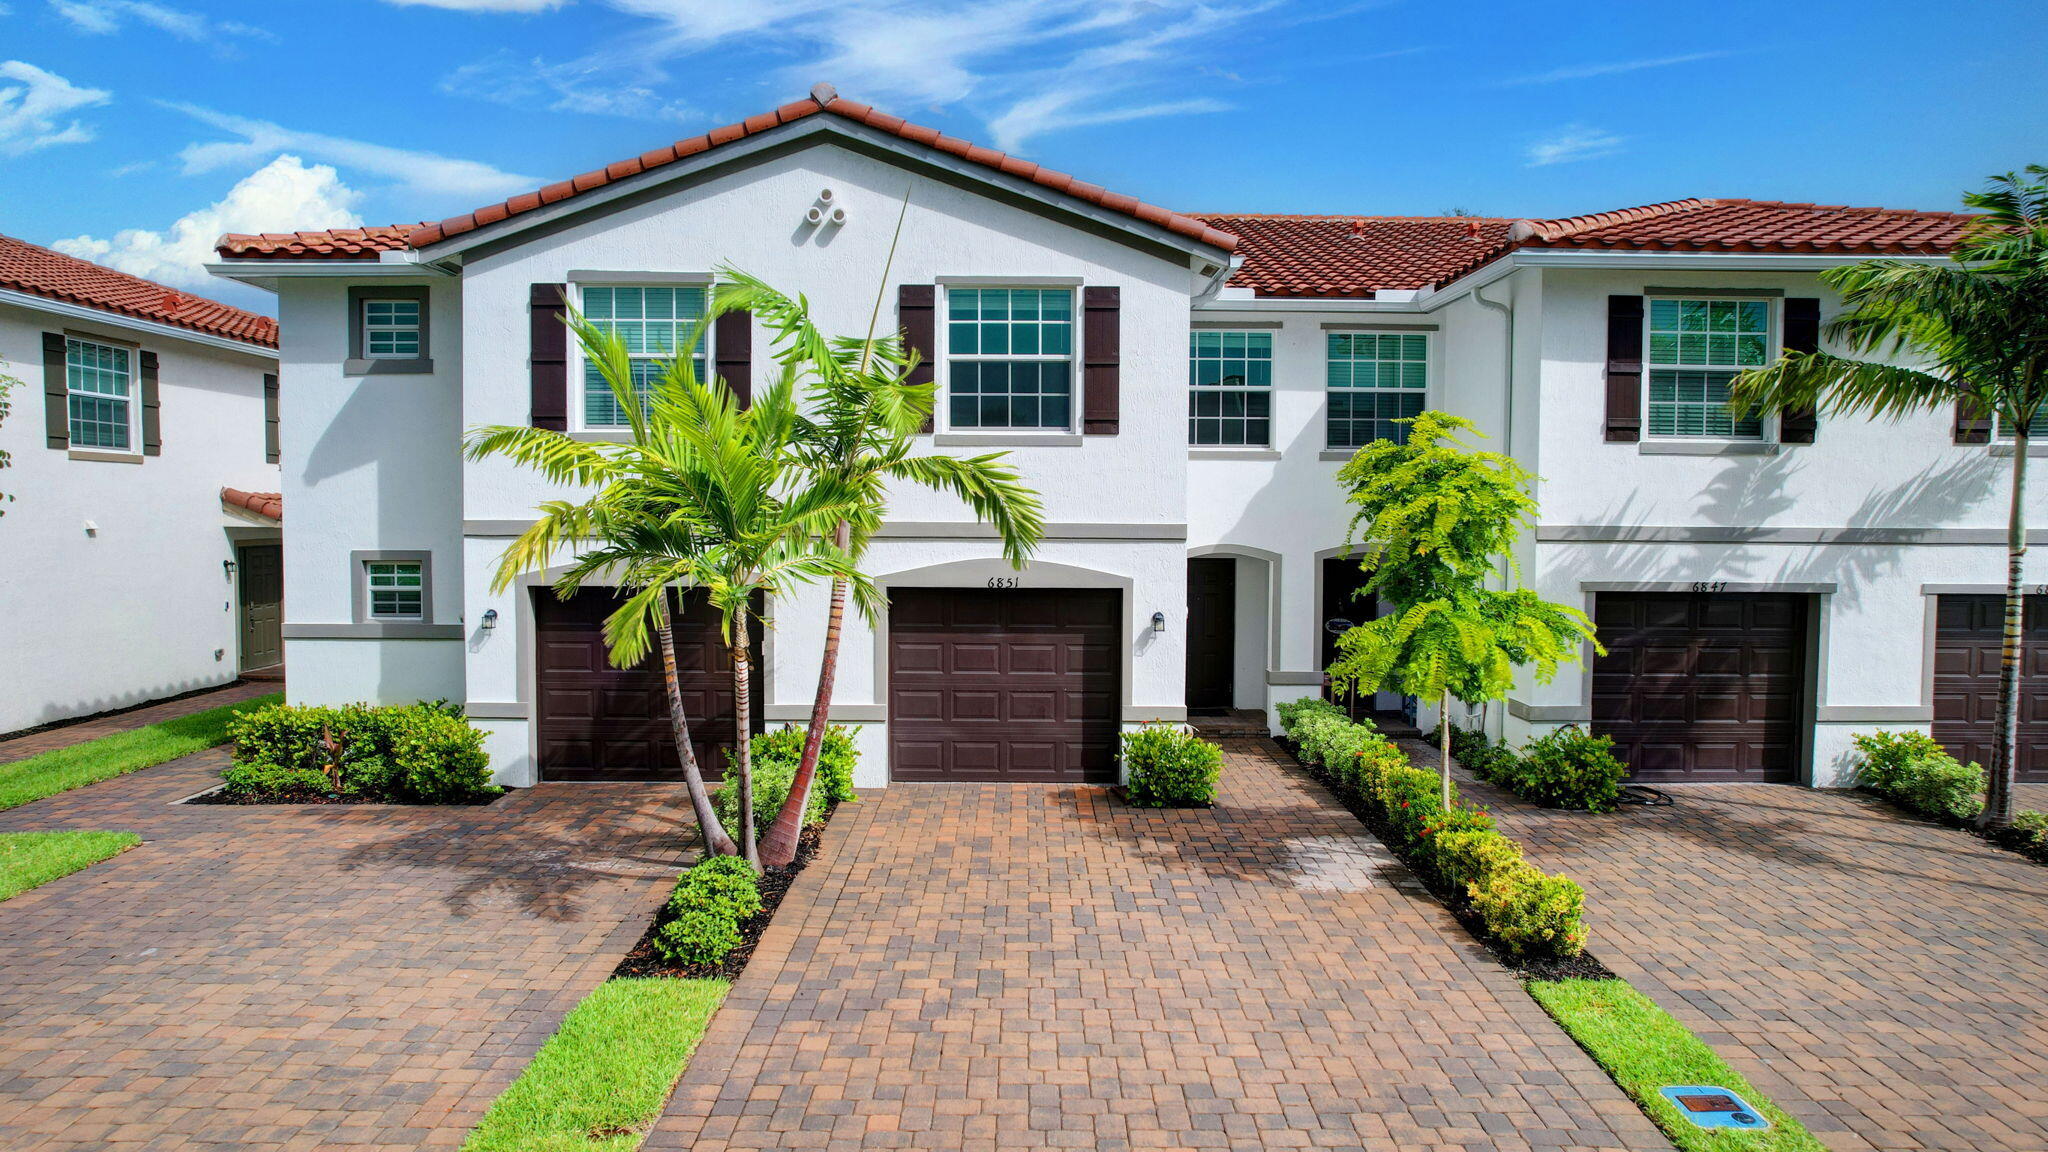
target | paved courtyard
x=77, y=732
x=1884, y=979
x=308, y=978
x=1012, y=966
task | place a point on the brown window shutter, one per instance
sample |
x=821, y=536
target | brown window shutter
x=733, y=339
x=56, y=393
x=270, y=441
x=1802, y=334
x=1102, y=360
x=152, y=408
x=916, y=313
x=1973, y=423
x=548, y=356
x=1624, y=369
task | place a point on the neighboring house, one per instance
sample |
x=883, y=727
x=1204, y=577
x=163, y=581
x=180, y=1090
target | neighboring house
x=140, y=556
x=1181, y=389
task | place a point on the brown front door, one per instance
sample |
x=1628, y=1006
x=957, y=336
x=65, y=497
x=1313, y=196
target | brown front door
x=1702, y=686
x=598, y=722
x=1968, y=635
x=1212, y=633
x=260, y=579
x=1018, y=685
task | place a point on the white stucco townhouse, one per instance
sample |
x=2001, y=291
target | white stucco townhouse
x=140, y=550
x=1181, y=390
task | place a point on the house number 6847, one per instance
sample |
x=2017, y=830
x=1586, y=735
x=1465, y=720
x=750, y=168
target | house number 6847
x=1710, y=585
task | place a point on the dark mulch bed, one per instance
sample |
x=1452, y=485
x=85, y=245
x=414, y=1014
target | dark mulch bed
x=643, y=960
x=303, y=799
x=2011, y=839
x=1581, y=967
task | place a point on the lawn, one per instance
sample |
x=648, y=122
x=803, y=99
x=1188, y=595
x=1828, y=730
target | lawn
x=601, y=1079
x=31, y=858
x=63, y=769
x=1644, y=1049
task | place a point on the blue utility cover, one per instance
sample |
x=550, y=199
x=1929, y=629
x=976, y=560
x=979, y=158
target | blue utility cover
x=1710, y=1107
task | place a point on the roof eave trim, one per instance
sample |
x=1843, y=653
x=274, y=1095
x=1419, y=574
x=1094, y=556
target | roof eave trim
x=122, y=320
x=780, y=135
x=1650, y=260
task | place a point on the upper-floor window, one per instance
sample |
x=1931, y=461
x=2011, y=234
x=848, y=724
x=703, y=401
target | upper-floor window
x=654, y=323
x=1694, y=348
x=100, y=392
x=1376, y=378
x=1010, y=357
x=391, y=329
x=394, y=588
x=1230, y=387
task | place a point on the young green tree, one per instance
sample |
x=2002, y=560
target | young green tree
x=1435, y=519
x=1920, y=337
x=7, y=386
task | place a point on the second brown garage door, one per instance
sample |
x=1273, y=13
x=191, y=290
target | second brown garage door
x=1017, y=685
x=1968, y=631
x=1702, y=686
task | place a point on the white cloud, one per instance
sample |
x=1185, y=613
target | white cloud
x=423, y=172
x=1611, y=68
x=507, y=79
x=1571, y=143
x=106, y=17
x=283, y=195
x=36, y=108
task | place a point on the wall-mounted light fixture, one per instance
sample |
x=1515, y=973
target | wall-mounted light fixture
x=1159, y=621
x=227, y=567
x=490, y=619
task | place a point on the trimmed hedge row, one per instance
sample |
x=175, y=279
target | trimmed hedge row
x=1527, y=912
x=409, y=754
x=1168, y=768
x=1913, y=771
x=705, y=911
x=1567, y=768
x=776, y=755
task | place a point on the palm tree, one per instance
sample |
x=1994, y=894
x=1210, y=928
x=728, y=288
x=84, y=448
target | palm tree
x=861, y=414
x=1971, y=332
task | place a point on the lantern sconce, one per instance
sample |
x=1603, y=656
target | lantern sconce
x=490, y=619
x=1159, y=621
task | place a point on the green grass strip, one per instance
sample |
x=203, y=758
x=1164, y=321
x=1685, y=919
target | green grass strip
x=62, y=769
x=31, y=858
x=601, y=1079
x=1644, y=1049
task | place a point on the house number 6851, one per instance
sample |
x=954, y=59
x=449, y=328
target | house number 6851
x=1005, y=582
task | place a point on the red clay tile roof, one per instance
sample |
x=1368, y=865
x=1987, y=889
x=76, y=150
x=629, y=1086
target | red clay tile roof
x=38, y=271
x=267, y=504
x=1354, y=255
x=355, y=243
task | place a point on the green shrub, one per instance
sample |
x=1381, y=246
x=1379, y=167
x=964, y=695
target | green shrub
x=1530, y=913
x=2034, y=826
x=1911, y=770
x=413, y=753
x=1165, y=767
x=242, y=780
x=1568, y=768
x=776, y=756
x=702, y=919
x=1293, y=712
x=1479, y=754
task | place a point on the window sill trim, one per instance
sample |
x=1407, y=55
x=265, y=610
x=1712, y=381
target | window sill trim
x=1207, y=452
x=602, y=435
x=2008, y=449
x=357, y=366
x=1336, y=453
x=1021, y=438
x=1708, y=447
x=104, y=457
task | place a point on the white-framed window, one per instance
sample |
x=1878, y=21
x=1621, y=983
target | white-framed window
x=1010, y=358
x=1375, y=379
x=1692, y=348
x=99, y=380
x=394, y=589
x=391, y=329
x=654, y=321
x=1230, y=387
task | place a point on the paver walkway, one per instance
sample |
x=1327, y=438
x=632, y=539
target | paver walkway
x=308, y=978
x=1015, y=966
x=1884, y=979
x=19, y=747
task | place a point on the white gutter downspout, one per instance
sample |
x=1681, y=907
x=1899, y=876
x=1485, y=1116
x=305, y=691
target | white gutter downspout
x=1507, y=317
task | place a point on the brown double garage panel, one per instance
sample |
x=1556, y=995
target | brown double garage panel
x=1004, y=685
x=1968, y=634
x=1703, y=686
x=597, y=722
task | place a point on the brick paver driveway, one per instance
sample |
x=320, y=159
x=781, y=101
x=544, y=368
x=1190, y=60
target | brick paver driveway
x=308, y=978
x=1884, y=979
x=1009, y=966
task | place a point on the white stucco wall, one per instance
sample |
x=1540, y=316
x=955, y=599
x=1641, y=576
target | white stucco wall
x=139, y=607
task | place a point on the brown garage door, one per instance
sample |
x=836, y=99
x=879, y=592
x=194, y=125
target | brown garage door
x=1702, y=686
x=1966, y=655
x=598, y=722
x=1003, y=685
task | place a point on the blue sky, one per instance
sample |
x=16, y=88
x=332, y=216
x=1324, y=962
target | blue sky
x=134, y=131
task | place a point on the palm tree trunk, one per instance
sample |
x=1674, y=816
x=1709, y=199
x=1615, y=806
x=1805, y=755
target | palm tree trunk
x=1998, y=789
x=716, y=841
x=779, y=849
x=1443, y=731
x=743, y=749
